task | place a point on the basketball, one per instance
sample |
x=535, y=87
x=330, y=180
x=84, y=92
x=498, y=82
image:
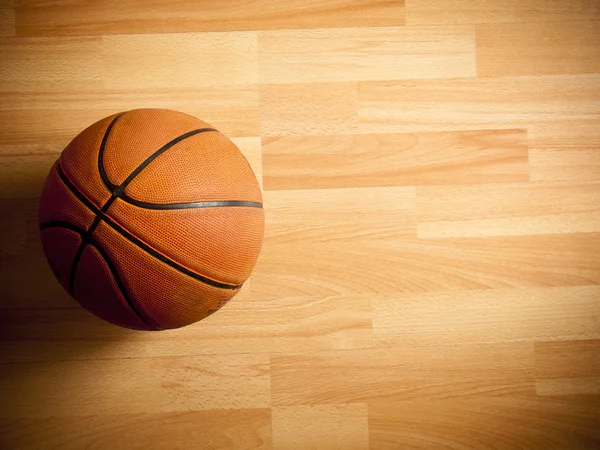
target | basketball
x=151, y=219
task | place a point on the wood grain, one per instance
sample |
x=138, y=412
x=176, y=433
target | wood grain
x=234, y=110
x=7, y=19
x=309, y=108
x=246, y=325
x=320, y=427
x=567, y=368
x=548, y=164
x=501, y=423
x=223, y=429
x=403, y=374
x=556, y=111
x=50, y=64
x=544, y=48
x=499, y=315
x=430, y=269
x=508, y=209
x=329, y=216
x=38, y=18
x=304, y=56
x=375, y=265
x=451, y=12
x=179, y=60
x=446, y=158
x=134, y=385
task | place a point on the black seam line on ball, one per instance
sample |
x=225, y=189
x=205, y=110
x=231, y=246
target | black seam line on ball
x=85, y=240
x=159, y=152
x=117, y=191
x=115, y=274
x=101, y=170
x=111, y=266
x=61, y=224
x=190, y=205
x=138, y=242
x=167, y=260
x=82, y=198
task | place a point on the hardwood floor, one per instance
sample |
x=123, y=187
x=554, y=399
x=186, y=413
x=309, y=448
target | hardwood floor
x=430, y=275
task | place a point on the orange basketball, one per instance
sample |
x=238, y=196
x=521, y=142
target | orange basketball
x=151, y=219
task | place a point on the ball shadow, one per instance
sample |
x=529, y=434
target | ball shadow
x=40, y=324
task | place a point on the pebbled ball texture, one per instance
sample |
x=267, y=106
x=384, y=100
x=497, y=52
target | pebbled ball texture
x=151, y=219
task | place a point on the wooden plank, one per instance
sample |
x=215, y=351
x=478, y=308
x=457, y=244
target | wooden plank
x=501, y=423
x=568, y=367
x=337, y=215
x=451, y=12
x=179, y=60
x=544, y=48
x=7, y=18
x=498, y=315
x=251, y=148
x=556, y=111
x=390, y=266
x=135, y=385
x=226, y=429
x=402, y=373
x=508, y=209
x=310, y=108
x=50, y=64
x=26, y=128
x=304, y=56
x=308, y=162
x=38, y=18
x=321, y=427
x=247, y=324
x=23, y=177
x=580, y=164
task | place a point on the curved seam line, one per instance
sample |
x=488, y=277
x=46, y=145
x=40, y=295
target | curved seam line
x=149, y=249
x=75, y=190
x=101, y=170
x=164, y=258
x=61, y=224
x=115, y=274
x=119, y=189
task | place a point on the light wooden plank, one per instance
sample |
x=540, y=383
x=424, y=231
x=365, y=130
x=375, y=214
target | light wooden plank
x=497, y=315
x=501, y=423
x=451, y=12
x=310, y=108
x=26, y=128
x=135, y=385
x=388, y=266
x=226, y=429
x=184, y=60
x=50, y=64
x=53, y=331
x=330, y=55
x=564, y=164
x=251, y=148
x=556, y=111
x=7, y=18
x=321, y=427
x=338, y=215
x=38, y=18
x=504, y=209
x=308, y=162
x=568, y=367
x=543, y=48
x=404, y=373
